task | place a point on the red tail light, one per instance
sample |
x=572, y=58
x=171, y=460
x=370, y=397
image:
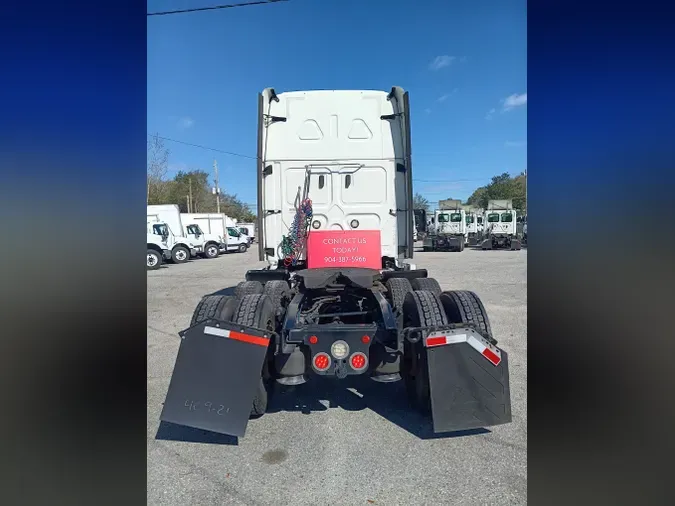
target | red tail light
x=321, y=361
x=313, y=339
x=358, y=361
x=365, y=339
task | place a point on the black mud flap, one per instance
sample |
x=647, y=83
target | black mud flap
x=468, y=381
x=515, y=244
x=487, y=243
x=216, y=376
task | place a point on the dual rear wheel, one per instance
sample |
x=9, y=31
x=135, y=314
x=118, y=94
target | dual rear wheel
x=422, y=303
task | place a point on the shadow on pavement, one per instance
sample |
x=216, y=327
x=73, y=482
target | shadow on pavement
x=387, y=400
x=172, y=432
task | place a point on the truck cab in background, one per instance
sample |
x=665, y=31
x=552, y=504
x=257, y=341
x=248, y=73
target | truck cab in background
x=158, y=252
x=236, y=241
x=500, y=226
x=471, y=228
x=450, y=231
x=248, y=229
x=211, y=243
x=181, y=247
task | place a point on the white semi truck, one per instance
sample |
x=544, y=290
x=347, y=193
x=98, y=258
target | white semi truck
x=340, y=296
x=500, y=226
x=449, y=231
x=215, y=226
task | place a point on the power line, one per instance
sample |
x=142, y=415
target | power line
x=215, y=7
x=255, y=158
x=203, y=147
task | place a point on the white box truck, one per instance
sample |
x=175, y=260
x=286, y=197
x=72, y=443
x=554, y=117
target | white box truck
x=158, y=252
x=215, y=225
x=500, y=226
x=247, y=229
x=329, y=313
x=181, y=247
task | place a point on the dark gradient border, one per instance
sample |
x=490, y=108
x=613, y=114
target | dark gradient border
x=600, y=168
x=72, y=186
x=72, y=152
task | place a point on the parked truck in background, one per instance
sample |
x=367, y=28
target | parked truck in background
x=340, y=296
x=181, y=247
x=449, y=231
x=248, y=229
x=158, y=252
x=472, y=227
x=221, y=226
x=500, y=226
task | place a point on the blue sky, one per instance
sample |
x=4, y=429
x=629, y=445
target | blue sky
x=463, y=62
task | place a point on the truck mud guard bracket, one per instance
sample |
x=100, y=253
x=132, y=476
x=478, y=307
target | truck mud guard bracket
x=216, y=376
x=468, y=378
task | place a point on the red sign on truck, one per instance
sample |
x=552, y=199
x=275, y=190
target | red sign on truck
x=344, y=248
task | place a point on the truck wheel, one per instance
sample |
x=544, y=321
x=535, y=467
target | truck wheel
x=242, y=248
x=248, y=288
x=211, y=250
x=279, y=293
x=220, y=307
x=398, y=288
x=462, y=306
x=153, y=260
x=420, y=309
x=180, y=255
x=256, y=310
x=428, y=284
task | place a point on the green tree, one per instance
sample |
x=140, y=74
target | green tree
x=419, y=202
x=502, y=186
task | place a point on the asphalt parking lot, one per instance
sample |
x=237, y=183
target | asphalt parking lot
x=339, y=443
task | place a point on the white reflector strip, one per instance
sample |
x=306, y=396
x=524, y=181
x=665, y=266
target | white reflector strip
x=216, y=332
x=477, y=342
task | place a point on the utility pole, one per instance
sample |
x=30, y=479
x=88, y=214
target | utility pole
x=215, y=170
x=191, y=202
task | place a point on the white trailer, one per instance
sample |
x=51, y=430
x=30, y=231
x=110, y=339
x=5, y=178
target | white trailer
x=216, y=225
x=500, y=226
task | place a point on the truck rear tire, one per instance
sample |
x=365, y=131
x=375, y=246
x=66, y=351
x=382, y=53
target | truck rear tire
x=256, y=310
x=180, y=255
x=248, y=288
x=153, y=260
x=421, y=309
x=462, y=306
x=279, y=293
x=211, y=250
x=428, y=284
x=219, y=307
x=398, y=288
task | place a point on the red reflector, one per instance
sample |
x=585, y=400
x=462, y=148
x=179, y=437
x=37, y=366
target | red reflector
x=358, y=361
x=321, y=361
x=435, y=341
x=365, y=339
x=492, y=356
x=313, y=339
